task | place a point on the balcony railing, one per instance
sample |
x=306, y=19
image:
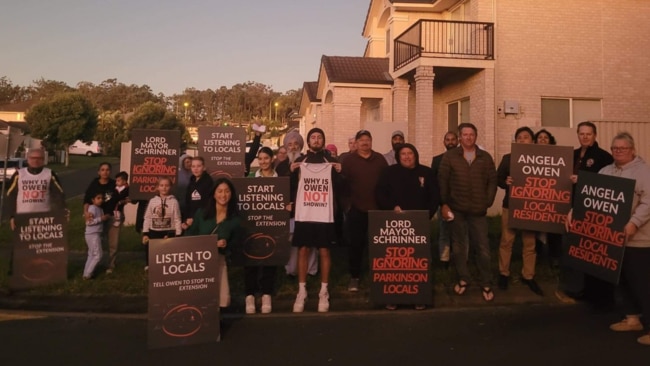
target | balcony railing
x=444, y=39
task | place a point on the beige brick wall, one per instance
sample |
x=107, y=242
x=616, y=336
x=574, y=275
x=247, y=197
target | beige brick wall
x=577, y=49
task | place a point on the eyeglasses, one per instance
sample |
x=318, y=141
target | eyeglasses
x=620, y=149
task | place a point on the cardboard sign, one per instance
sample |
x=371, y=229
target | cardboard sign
x=224, y=150
x=184, y=284
x=40, y=255
x=596, y=239
x=154, y=154
x=263, y=205
x=540, y=194
x=400, y=257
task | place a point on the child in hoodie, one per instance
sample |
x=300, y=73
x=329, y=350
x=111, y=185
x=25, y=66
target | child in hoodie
x=198, y=190
x=162, y=219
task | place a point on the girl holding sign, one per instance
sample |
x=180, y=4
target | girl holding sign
x=265, y=274
x=220, y=217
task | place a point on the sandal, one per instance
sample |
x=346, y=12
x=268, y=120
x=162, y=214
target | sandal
x=460, y=287
x=487, y=294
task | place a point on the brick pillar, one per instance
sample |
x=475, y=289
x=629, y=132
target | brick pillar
x=400, y=92
x=422, y=128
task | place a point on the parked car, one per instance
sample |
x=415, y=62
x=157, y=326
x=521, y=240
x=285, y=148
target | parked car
x=81, y=148
x=13, y=164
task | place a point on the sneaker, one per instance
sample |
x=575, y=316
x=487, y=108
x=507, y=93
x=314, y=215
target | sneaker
x=391, y=307
x=266, y=304
x=323, y=302
x=503, y=282
x=146, y=268
x=250, y=304
x=644, y=340
x=109, y=271
x=627, y=325
x=299, y=305
x=354, y=285
x=533, y=286
x=86, y=278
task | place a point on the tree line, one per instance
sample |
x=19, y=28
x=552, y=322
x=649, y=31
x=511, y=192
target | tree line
x=108, y=112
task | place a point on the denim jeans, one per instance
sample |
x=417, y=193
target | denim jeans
x=466, y=231
x=94, y=243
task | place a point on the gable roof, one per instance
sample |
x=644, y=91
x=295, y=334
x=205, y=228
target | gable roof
x=311, y=89
x=357, y=70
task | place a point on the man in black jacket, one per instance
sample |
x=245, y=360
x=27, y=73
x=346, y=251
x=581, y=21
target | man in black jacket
x=575, y=284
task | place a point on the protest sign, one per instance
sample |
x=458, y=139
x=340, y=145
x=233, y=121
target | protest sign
x=40, y=255
x=154, y=154
x=540, y=194
x=263, y=205
x=184, y=286
x=224, y=150
x=596, y=239
x=400, y=257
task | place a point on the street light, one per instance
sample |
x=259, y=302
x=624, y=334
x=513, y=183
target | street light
x=186, y=104
x=276, y=111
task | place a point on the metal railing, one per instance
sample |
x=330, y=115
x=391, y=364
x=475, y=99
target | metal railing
x=444, y=39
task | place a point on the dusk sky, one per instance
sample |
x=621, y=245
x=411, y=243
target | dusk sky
x=171, y=45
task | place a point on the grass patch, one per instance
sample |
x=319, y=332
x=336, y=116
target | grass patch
x=130, y=278
x=83, y=162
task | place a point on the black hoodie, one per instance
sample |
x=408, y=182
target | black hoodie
x=197, y=194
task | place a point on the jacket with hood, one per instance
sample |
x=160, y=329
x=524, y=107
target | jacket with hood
x=162, y=214
x=636, y=169
x=197, y=194
x=410, y=189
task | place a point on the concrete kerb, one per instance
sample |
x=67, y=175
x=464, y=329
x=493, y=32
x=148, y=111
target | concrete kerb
x=444, y=299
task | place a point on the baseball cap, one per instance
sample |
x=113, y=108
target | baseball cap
x=397, y=133
x=362, y=133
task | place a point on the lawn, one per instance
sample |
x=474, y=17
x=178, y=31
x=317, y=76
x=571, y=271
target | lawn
x=130, y=278
x=82, y=162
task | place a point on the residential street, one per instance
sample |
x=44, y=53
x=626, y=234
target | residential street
x=524, y=334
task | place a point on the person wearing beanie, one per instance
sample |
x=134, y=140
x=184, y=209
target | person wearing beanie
x=396, y=139
x=314, y=213
x=331, y=148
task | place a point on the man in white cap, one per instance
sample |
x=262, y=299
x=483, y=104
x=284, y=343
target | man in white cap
x=396, y=138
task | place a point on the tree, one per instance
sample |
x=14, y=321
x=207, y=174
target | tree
x=152, y=115
x=111, y=132
x=62, y=120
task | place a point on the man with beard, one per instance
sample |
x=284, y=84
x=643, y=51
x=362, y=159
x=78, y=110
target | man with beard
x=444, y=242
x=294, y=144
x=313, y=180
x=361, y=171
x=468, y=185
x=396, y=139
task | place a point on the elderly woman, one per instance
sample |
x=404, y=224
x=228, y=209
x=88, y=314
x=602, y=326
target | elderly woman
x=634, y=287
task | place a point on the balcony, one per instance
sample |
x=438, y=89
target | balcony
x=442, y=39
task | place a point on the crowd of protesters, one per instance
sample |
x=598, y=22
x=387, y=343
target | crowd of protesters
x=459, y=188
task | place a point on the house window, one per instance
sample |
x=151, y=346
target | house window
x=457, y=113
x=568, y=112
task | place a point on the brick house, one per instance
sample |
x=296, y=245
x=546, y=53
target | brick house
x=500, y=64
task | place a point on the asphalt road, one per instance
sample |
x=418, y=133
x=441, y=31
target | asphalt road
x=515, y=335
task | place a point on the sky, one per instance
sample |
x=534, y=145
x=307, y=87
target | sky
x=173, y=45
